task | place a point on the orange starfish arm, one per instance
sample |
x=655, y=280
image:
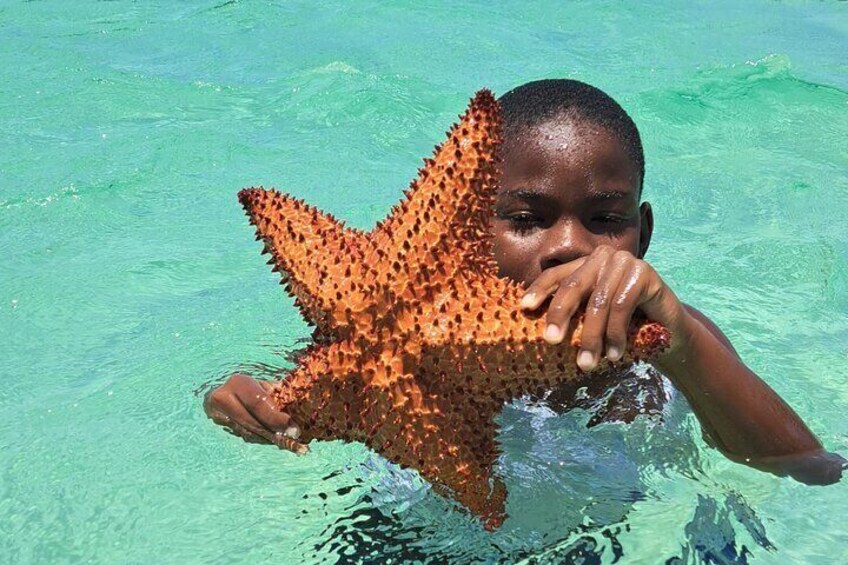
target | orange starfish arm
x=446, y=211
x=425, y=342
x=319, y=259
x=421, y=421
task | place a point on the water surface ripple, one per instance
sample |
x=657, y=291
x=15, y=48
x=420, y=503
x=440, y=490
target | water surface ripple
x=130, y=282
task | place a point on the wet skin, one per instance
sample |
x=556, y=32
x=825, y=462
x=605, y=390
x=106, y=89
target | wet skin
x=569, y=226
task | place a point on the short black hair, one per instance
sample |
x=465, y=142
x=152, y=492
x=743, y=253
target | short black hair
x=535, y=102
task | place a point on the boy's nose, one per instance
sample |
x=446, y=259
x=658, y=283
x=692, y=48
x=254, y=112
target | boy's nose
x=566, y=241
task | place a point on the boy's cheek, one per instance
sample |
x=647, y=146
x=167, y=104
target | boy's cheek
x=516, y=262
x=505, y=257
x=515, y=273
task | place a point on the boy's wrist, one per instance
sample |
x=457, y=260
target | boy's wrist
x=682, y=335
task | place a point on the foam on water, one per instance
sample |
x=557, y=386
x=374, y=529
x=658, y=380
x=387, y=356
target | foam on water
x=130, y=283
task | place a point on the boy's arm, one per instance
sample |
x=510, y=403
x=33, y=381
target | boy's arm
x=739, y=412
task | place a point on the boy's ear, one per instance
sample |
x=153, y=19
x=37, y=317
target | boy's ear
x=646, y=228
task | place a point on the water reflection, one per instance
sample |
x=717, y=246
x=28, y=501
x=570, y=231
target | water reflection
x=575, y=482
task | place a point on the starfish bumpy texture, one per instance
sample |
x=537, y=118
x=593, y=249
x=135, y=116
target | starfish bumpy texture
x=419, y=343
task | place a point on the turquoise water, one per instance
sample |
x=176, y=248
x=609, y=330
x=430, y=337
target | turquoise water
x=130, y=281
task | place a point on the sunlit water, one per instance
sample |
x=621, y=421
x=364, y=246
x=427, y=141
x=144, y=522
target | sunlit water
x=130, y=281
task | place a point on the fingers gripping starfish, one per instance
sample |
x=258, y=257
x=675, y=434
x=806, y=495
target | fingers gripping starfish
x=420, y=343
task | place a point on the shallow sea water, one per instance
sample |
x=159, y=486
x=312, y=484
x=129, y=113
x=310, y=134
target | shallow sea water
x=130, y=281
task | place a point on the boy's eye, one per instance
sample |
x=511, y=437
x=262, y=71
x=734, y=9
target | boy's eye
x=610, y=219
x=608, y=223
x=522, y=221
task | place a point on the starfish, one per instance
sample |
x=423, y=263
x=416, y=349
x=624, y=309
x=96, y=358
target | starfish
x=418, y=343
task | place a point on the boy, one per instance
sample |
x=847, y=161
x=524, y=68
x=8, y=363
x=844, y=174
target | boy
x=569, y=225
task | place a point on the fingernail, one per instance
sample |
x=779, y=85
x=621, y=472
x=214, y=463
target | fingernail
x=284, y=440
x=613, y=353
x=552, y=333
x=529, y=300
x=302, y=449
x=292, y=432
x=586, y=361
x=279, y=439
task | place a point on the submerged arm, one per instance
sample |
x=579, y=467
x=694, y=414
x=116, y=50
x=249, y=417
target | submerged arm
x=739, y=412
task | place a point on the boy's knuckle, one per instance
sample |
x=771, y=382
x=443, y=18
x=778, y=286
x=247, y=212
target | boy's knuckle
x=218, y=397
x=238, y=379
x=618, y=306
x=572, y=282
x=645, y=268
x=600, y=300
x=604, y=250
x=621, y=256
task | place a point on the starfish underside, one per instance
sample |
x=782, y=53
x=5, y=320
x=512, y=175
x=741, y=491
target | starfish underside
x=421, y=343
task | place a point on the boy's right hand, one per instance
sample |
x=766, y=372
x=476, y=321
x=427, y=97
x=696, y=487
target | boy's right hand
x=243, y=406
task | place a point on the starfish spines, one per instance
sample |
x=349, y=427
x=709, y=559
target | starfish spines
x=285, y=223
x=427, y=342
x=424, y=200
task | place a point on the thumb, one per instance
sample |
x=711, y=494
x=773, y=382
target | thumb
x=285, y=431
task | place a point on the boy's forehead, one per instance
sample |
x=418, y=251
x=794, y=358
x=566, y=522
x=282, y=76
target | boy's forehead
x=561, y=134
x=567, y=148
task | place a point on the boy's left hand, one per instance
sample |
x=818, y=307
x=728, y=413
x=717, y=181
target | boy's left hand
x=612, y=284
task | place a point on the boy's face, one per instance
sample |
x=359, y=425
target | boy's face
x=568, y=186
